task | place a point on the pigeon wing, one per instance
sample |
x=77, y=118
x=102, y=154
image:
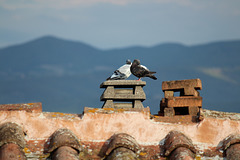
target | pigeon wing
x=117, y=76
x=125, y=69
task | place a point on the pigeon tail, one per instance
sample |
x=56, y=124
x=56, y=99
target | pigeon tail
x=152, y=72
x=152, y=76
x=109, y=78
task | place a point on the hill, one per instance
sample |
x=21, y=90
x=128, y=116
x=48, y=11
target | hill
x=65, y=75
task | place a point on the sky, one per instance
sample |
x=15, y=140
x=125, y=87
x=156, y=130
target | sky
x=108, y=24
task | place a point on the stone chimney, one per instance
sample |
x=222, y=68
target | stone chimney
x=123, y=94
x=188, y=102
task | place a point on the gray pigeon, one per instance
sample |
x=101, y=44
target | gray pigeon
x=141, y=71
x=121, y=73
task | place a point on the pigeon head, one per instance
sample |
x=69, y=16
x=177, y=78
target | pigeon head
x=128, y=61
x=136, y=61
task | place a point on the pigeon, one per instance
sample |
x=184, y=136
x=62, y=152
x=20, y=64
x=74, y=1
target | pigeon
x=141, y=71
x=121, y=73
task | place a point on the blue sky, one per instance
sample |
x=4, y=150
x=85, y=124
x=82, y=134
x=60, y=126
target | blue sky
x=120, y=23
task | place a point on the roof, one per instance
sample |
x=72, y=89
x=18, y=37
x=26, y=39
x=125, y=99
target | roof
x=95, y=128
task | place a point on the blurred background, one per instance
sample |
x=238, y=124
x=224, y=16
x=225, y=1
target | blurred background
x=58, y=52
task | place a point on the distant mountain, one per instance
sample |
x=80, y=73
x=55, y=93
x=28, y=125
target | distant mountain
x=65, y=75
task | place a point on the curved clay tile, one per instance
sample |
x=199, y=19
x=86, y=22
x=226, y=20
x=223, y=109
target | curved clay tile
x=65, y=153
x=11, y=142
x=12, y=133
x=178, y=145
x=231, y=147
x=124, y=145
x=64, y=137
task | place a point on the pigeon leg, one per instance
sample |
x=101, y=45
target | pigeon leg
x=139, y=79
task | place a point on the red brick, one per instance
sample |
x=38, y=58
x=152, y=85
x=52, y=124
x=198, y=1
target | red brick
x=189, y=91
x=181, y=84
x=169, y=112
x=194, y=110
x=168, y=94
x=186, y=119
x=183, y=101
